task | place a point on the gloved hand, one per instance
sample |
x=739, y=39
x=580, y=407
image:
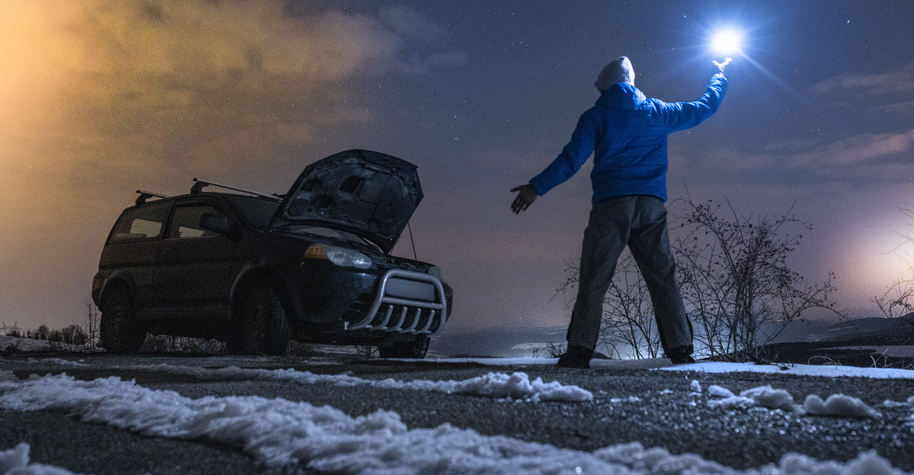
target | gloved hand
x=722, y=66
x=525, y=196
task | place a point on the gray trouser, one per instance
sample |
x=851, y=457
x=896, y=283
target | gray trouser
x=639, y=222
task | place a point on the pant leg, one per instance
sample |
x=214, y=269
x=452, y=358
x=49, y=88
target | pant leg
x=604, y=239
x=649, y=243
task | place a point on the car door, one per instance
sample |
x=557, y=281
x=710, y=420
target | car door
x=194, y=267
x=133, y=246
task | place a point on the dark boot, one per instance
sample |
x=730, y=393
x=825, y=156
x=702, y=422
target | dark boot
x=681, y=355
x=576, y=357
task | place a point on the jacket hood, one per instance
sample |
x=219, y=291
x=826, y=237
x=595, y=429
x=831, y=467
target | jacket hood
x=370, y=194
x=622, y=96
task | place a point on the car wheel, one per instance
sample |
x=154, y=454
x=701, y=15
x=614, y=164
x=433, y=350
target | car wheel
x=119, y=331
x=415, y=349
x=262, y=327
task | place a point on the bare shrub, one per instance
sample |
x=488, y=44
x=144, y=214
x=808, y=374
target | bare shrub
x=554, y=350
x=735, y=279
x=93, y=317
x=898, y=299
x=74, y=335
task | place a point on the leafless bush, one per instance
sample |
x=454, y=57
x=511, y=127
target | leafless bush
x=554, y=350
x=42, y=333
x=898, y=299
x=93, y=317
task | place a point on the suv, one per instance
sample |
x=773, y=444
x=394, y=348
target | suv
x=256, y=270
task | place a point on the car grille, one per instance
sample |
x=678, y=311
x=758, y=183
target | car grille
x=406, y=302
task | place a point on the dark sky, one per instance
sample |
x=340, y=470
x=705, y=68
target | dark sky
x=101, y=98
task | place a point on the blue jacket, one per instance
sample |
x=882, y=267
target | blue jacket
x=627, y=134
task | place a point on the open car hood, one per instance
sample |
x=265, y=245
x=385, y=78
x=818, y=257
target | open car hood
x=370, y=194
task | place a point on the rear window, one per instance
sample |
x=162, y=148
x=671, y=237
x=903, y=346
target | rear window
x=140, y=223
x=257, y=211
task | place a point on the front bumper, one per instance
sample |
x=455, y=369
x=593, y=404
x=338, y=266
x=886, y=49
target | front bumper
x=405, y=302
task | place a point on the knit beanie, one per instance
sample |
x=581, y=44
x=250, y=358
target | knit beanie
x=618, y=70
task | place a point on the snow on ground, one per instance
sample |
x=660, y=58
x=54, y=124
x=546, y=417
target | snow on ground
x=11, y=344
x=796, y=369
x=498, y=385
x=279, y=432
x=837, y=405
x=15, y=461
x=26, y=345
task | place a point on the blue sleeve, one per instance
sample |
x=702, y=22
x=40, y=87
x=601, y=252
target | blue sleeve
x=573, y=155
x=685, y=115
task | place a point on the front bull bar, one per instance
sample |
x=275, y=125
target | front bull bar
x=407, y=319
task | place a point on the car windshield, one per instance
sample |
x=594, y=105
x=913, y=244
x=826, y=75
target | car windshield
x=257, y=211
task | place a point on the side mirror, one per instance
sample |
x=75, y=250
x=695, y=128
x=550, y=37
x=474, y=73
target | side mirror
x=217, y=223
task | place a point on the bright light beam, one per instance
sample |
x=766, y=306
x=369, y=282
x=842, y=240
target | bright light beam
x=727, y=42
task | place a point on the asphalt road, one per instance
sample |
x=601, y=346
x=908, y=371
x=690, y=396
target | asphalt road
x=664, y=414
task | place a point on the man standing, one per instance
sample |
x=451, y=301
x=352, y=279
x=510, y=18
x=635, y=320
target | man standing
x=627, y=135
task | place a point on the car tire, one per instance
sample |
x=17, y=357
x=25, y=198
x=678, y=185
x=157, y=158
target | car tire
x=119, y=331
x=415, y=349
x=261, y=326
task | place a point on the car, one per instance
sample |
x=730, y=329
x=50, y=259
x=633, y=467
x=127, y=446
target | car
x=255, y=270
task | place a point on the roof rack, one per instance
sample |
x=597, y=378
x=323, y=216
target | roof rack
x=200, y=184
x=145, y=195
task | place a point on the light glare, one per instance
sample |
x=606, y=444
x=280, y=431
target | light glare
x=727, y=41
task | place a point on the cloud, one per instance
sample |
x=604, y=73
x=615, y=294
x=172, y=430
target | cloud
x=894, y=82
x=410, y=24
x=863, y=158
x=865, y=149
x=173, y=81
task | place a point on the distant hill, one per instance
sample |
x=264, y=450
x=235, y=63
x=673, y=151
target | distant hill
x=500, y=342
x=879, y=330
x=519, y=342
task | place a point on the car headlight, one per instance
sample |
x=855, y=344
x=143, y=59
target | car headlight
x=338, y=255
x=437, y=273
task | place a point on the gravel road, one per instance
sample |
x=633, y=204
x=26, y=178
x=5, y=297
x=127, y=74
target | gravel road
x=655, y=408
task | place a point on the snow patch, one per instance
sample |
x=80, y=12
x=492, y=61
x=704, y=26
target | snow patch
x=497, y=385
x=16, y=462
x=764, y=396
x=279, y=432
x=838, y=405
x=799, y=369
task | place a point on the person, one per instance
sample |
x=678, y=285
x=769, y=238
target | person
x=627, y=135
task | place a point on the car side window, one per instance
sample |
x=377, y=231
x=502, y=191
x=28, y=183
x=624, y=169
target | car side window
x=141, y=223
x=185, y=224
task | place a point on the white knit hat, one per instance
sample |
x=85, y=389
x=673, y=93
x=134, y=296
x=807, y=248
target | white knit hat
x=618, y=70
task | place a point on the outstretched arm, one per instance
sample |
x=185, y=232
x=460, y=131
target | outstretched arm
x=685, y=115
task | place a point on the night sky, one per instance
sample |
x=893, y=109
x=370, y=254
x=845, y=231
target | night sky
x=104, y=97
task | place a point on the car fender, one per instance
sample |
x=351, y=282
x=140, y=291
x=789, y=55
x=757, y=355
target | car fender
x=259, y=270
x=102, y=284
